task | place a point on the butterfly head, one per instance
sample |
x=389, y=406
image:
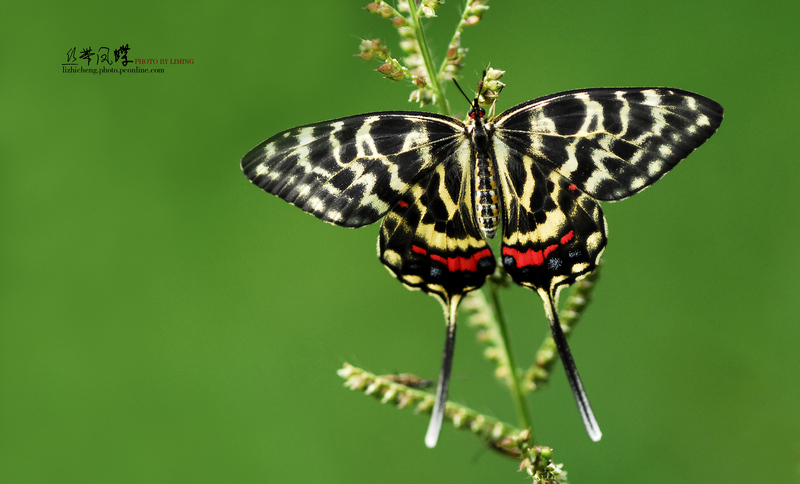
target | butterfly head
x=477, y=111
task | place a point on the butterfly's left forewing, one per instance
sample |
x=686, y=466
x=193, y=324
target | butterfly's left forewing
x=351, y=171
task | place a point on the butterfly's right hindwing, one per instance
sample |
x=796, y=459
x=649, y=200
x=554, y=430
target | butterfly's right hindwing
x=553, y=234
x=351, y=171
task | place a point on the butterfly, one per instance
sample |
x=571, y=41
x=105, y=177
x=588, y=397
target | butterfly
x=443, y=187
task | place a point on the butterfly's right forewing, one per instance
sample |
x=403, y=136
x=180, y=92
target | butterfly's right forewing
x=610, y=143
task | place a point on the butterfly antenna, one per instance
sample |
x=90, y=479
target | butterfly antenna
x=569, y=366
x=470, y=101
x=435, y=425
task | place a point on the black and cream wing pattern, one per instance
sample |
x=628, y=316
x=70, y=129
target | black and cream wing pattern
x=536, y=172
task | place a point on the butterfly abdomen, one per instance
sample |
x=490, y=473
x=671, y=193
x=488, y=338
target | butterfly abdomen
x=487, y=204
x=487, y=209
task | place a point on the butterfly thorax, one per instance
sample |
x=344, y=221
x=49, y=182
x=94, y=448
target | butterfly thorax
x=487, y=205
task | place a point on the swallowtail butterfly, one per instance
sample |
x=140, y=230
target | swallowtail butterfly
x=443, y=186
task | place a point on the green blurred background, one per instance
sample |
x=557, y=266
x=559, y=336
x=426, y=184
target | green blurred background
x=165, y=321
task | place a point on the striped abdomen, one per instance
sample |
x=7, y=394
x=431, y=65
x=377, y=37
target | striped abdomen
x=487, y=208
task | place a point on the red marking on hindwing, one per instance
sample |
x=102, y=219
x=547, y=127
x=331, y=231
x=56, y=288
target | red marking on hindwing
x=535, y=257
x=403, y=204
x=528, y=258
x=439, y=259
x=572, y=187
x=456, y=264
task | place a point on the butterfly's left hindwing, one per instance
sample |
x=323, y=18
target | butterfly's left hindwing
x=429, y=240
x=351, y=171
